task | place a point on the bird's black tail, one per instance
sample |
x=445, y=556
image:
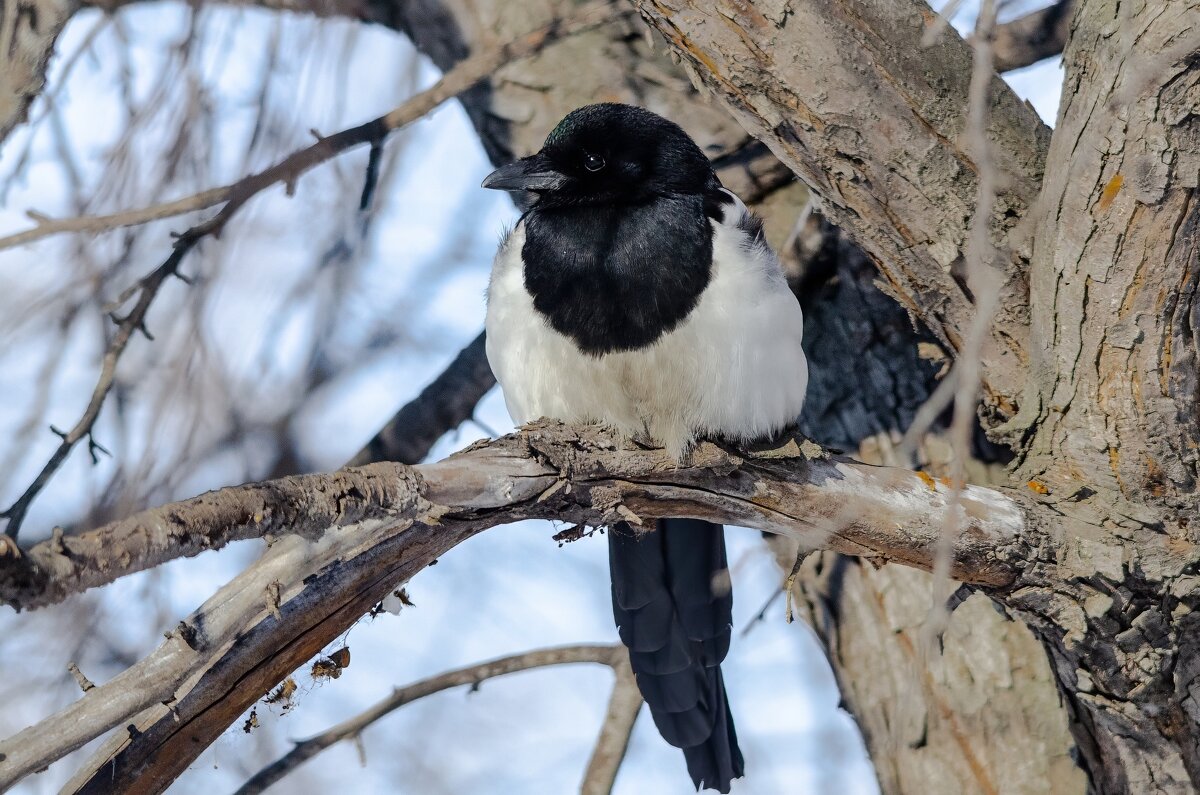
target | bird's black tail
x=677, y=627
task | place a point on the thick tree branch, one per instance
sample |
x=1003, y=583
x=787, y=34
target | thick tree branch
x=848, y=97
x=891, y=513
x=286, y=608
x=352, y=728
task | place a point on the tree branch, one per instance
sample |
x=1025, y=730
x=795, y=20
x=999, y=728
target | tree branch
x=805, y=500
x=878, y=135
x=45, y=227
x=446, y=403
x=283, y=610
x=1039, y=34
x=304, y=750
x=623, y=708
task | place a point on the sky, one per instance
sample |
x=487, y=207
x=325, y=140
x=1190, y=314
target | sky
x=421, y=269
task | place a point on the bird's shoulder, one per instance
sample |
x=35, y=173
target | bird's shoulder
x=729, y=212
x=740, y=247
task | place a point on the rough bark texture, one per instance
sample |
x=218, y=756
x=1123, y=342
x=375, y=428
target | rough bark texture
x=877, y=134
x=28, y=30
x=983, y=716
x=1110, y=418
x=304, y=593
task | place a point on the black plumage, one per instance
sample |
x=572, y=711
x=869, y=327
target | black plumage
x=572, y=255
x=677, y=623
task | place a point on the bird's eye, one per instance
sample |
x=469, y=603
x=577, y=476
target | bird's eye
x=593, y=162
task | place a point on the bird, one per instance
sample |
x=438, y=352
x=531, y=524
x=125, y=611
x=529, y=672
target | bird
x=636, y=292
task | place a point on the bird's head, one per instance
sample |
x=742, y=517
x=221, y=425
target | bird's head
x=609, y=154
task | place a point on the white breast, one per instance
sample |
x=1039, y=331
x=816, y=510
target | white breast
x=733, y=367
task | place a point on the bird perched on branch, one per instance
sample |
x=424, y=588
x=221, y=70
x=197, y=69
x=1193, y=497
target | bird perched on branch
x=639, y=293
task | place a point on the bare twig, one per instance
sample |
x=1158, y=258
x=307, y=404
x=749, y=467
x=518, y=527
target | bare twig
x=133, y=322
x=984, y=281
x=287, y=171
x=84, y=683
x=103, y=223
x=623, y=708
x=352, y=728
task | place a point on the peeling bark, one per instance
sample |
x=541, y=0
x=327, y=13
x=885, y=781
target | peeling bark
x=280, y=612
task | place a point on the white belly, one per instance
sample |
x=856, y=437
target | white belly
x=733, y=367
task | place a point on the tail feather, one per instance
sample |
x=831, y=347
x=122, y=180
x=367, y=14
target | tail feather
x=677, y=627
x=721, y=753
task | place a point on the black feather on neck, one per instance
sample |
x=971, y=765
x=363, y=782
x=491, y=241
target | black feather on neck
x=617, y=277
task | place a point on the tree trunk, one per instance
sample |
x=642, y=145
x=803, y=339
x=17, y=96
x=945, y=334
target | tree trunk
x=1111, y=406
x=984, y=716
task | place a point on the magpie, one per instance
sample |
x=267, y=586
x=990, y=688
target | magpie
x=639, y=293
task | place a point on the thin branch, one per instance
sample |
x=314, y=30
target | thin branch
x=105, y=223
x=352, y=728
x=133, y=322
x=984, y=280
x=287, y=171
x=609, y=753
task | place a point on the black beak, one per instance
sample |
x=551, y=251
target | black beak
x=531, y=173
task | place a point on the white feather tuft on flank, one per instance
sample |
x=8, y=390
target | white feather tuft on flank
x=733, y=367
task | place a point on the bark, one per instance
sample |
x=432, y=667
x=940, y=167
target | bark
x=981, y=716
x=28, y=31
x=847, y=96
x=1111, y=415
x=303, y=594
